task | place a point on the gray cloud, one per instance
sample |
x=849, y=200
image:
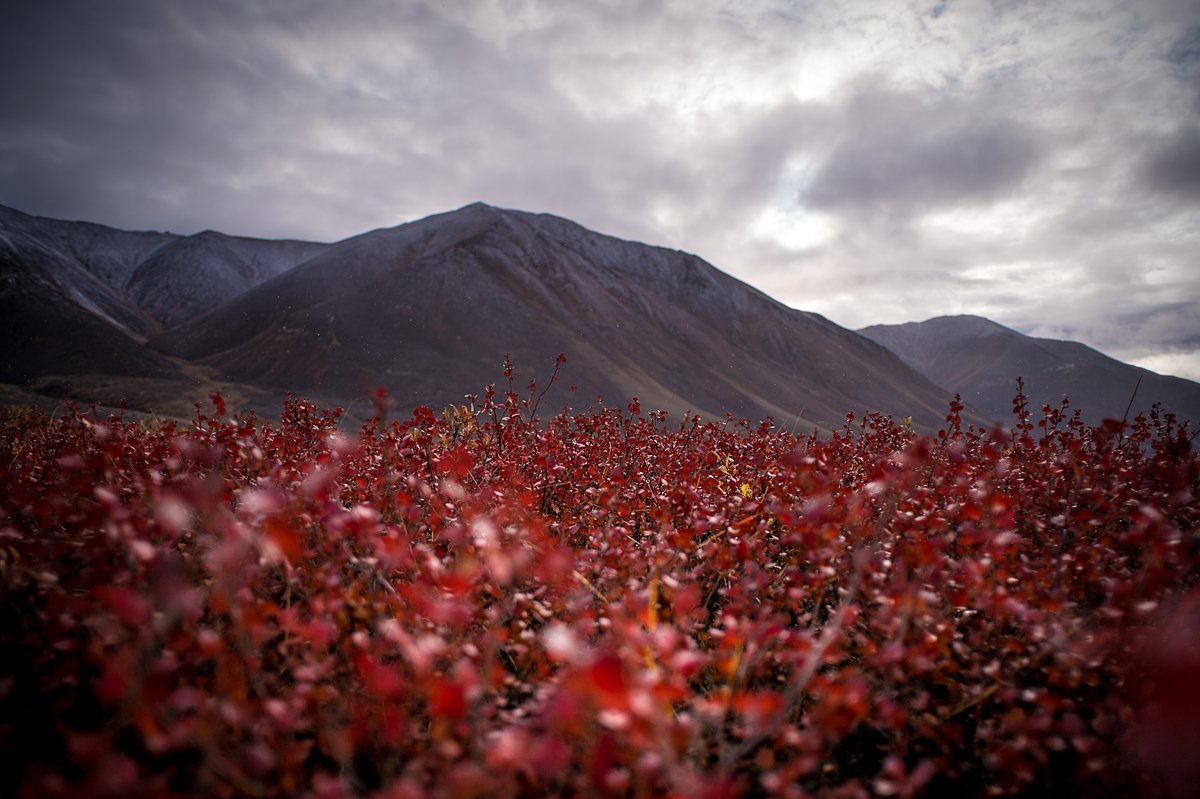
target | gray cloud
x=915, y=151
x=1184, y=54
x=1174, y=166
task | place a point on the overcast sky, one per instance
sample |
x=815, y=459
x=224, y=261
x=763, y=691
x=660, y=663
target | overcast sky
x=1034, y=162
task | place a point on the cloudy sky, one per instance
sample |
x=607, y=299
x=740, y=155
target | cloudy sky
x=1034, y=162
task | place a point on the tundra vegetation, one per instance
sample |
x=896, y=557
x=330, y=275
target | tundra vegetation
x=483, y=603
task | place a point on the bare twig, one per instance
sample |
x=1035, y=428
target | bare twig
x=1131, y=398
x=971, y=702
x=558, y=362
x=588, y=584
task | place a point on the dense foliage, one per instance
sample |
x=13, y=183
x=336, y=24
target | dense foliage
x=602, y=604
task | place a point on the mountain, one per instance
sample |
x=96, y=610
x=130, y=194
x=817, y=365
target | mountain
x=79, y=300
x=981, y=360
x=145, y=281
x=191, y=276
x=428, y=309
x=62, y=311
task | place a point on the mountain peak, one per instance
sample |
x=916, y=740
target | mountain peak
x=957, y=322
x=970, y=323
x=981, y=360
x=478, y=205
x=429, y=309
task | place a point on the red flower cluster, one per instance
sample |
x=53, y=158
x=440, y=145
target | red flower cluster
x=479, y=603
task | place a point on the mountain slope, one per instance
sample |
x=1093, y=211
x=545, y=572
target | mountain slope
x=144, y=281
x=191, y=276
x=70, y=325
x=86, y=265
x=428, y=309
x=48, y=327
x=60, y=310
x=981, y=360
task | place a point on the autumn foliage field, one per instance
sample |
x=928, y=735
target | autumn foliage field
x=484, y=603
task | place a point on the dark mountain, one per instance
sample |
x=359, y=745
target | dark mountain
x=47, y=326
x=60, y=310
x=146, y=281
x=86, y=265
x=428, y=309
x=981, y=360
x=194, y=275
x=78, y=300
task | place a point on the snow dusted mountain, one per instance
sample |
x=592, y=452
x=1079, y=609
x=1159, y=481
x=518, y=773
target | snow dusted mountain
x=190, y=276
x=78, y=301
x=145, y=281
x=50, y=326
x=981, y=360
x=87, y=264
x=61, y=311
x=428, y=310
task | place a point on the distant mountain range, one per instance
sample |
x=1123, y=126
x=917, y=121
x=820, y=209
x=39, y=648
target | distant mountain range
x=427, y=311
x=981, y=360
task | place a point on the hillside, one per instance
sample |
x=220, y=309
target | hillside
x=981, y=360
x=78, y=301
x=428, y=309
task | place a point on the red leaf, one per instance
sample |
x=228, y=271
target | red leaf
x=384, y=681
x=281, y=531
x=607, y=675
x=127, y=603
x=447, y=699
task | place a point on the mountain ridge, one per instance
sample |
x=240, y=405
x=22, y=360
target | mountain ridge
x=427, y=309
x=982, y=361
x=620, y=306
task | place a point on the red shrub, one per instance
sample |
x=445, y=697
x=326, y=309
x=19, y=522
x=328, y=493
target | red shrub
x=483, y=604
